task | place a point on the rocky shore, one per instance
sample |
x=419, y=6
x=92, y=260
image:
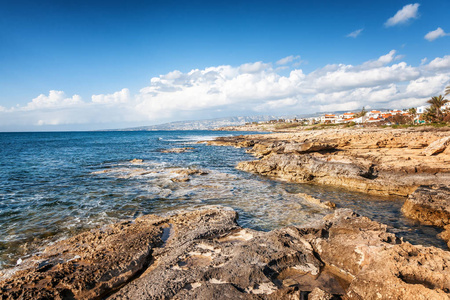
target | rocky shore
x=204, y=254
x=413, y=163
x=374, y=161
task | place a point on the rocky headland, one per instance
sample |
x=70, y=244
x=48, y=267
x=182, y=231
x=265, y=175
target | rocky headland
x=204, y=254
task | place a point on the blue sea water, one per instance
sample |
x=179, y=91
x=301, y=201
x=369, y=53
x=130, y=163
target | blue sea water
x=56, y=184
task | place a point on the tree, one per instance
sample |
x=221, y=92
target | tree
x=362, y=113
x=430, y=114
x=447, y=90
x=437, y=102
x=413, y=113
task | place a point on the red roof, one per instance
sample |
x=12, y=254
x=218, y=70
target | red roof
x=349, y=114
x=375, y=111
x=329, y=115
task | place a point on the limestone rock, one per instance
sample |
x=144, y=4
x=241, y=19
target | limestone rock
x=136, y=161
x=318, y=294
x=429, y=205
x=204, y=254
x=178, y=150
x=437, y=146
x=375, y=161
x=87, y=266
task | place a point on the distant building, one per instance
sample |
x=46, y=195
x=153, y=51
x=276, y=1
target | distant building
x=328, y=118
x=373, y=113
x=348, y=115
x=421, y=109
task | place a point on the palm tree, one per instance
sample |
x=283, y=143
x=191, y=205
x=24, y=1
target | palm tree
x=430, y=114
x=437, y=102
x=413, y=112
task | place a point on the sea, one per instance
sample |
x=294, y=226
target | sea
x=54, y=185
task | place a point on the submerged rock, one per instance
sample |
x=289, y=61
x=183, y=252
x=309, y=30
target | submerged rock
x=204, y=254
x=178, y=150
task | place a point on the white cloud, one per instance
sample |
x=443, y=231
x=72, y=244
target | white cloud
x=439, y=64
x=403, y=15
x=252, y=88
x=432, y=35
x=253, y=67
x=55, y=99
x=352, y=105
x=427, y=86
x=122, y=96
x=355, y=33
x=287, y=59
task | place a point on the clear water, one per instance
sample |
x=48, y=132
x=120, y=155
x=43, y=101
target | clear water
x=54, y=185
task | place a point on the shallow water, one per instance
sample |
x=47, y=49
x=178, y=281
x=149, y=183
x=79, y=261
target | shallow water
x=54, y=185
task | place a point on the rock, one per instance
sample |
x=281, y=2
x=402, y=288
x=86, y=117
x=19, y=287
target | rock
x=429, y=205
x=308, y=147
x=185, y=173
x=183, y=178
x=437, y=146
x=318, y=294
x=379, y=264
x=204, y=254
x=87, y=266
x=136, y=161
x=307, y=168
x=311, y=199
x=189, y=172
x=375, y=161
x=178, y=150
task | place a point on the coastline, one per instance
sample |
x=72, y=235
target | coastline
x=206, y=254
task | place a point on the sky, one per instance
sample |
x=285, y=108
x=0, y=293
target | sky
x=88, y=65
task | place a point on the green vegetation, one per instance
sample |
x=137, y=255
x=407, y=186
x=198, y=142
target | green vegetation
x=434, y=112
x=287, y=125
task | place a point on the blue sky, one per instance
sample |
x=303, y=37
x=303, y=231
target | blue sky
x=56, y=57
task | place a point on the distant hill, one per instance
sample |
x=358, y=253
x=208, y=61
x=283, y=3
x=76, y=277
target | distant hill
x=208, y=124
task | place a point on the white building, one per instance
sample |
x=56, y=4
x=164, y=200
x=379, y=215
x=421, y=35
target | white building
x=421, y=109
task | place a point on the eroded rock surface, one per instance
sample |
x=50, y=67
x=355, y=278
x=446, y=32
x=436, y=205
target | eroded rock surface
x=429, y=205
x=375, y=161
x=204, y=254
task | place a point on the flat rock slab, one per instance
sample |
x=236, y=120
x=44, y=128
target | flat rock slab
x=204, y=254
x=437, y=146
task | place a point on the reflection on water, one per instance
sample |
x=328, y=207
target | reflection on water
x=54, y=185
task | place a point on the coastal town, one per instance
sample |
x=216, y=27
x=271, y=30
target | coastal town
x=415, y=115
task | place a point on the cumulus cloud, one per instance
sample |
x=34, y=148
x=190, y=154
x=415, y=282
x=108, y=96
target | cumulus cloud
x=122, y=96
x=355, y=33
x=287, y=59
x=55, y=99
x=248, y=89
x=408, y=12
x=432, y=35
x=439, y=64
